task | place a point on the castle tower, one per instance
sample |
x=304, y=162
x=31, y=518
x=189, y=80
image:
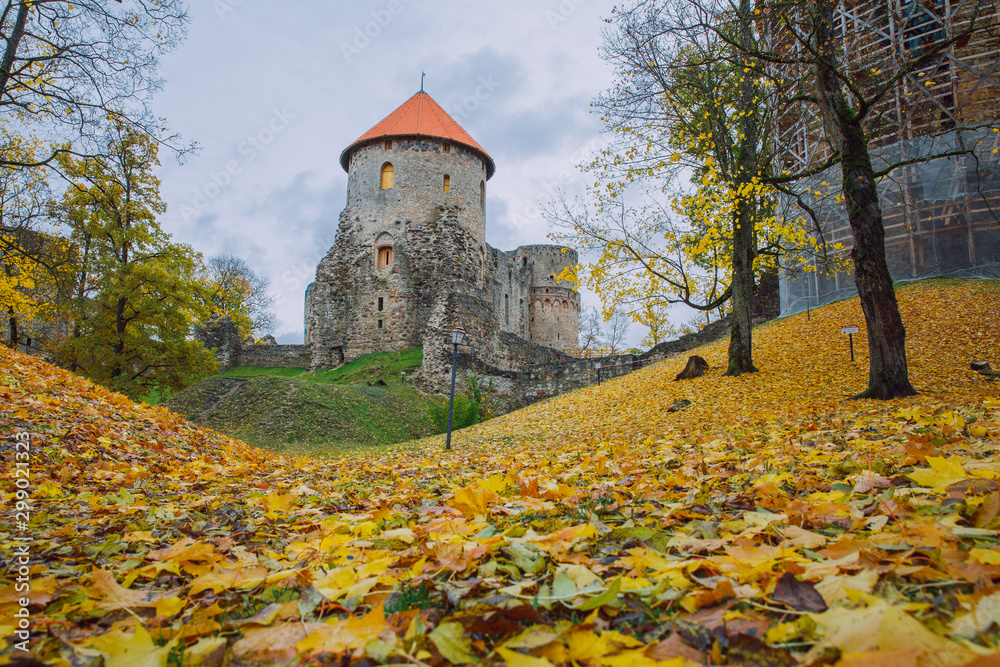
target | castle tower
x=416, y=159
x=410, y=256
x=554, y=310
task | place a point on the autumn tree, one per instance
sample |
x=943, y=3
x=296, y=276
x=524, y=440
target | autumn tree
x=34, y=262
x=237, y=291
x=136, y=293
x=71, y=66
x=656, y=317
x=683, y=103
x=852, y=87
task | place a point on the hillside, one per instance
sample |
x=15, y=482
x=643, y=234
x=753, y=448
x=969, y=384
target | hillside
x=770, y=522
x=289, y=410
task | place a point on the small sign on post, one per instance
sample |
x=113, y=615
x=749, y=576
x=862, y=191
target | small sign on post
x=850, y=331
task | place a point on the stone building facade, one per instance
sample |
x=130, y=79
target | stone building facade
x=410, y=260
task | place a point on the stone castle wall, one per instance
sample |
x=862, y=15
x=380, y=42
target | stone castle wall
x=553, y=305
x=275, y=356
x=441, y=266
x=536, y=382
x=222, y=336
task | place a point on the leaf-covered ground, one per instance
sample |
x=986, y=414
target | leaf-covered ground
x=769, y=522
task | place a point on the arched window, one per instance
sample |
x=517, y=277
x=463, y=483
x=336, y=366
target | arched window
x=384, y=257
x=482, y=194
x=387, y=176
x=447, y=183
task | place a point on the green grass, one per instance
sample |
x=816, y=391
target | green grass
x=322, y=413
x=158, y=395
x=385, y=366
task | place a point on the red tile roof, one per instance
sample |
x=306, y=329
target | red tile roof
x=419, y=116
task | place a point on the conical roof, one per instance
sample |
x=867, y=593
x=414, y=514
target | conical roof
x=419, y=116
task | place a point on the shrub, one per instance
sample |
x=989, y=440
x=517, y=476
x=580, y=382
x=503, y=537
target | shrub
x=466, y=413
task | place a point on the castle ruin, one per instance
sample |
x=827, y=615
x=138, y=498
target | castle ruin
x=410, y=260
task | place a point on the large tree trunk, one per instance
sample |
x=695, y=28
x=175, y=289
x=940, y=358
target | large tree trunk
x=12, y=323
x=744, y=237
x=741, y=331
x=887, y=373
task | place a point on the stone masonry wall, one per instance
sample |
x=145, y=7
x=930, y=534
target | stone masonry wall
x=419, y=168
x=275, y=356
x=551, y=379
x=486, y=351
x=221, y=334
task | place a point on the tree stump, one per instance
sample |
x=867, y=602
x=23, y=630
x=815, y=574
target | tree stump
x=696, y=367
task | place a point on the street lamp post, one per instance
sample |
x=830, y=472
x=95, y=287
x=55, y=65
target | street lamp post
x=457, y=336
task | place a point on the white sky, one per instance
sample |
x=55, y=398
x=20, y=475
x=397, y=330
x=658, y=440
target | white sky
x=275, y=91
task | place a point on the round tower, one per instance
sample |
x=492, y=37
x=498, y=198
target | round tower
x=413, y=162
x=554, y=311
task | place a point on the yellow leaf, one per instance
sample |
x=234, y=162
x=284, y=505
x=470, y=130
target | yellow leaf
x=167, y=607
x=515, y=659
x=985, y=613
x=220, y=580
x=883, y=627
x=533, y=637
x=207, y=651
x=985, y=556
x=131, y=650
x=451, y=642
x=943, y=473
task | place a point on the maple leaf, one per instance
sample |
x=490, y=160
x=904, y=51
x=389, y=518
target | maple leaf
x=136, y=649
x=884, y=627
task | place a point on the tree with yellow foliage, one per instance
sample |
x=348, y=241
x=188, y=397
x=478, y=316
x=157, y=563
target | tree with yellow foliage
x=685, y=106
x=240, y=293
x=33, y=262
x=136, y=295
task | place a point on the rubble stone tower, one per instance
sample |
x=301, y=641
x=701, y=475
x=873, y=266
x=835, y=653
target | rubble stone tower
x=411, y=251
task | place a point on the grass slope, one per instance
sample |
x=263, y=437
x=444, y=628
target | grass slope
x=593, y=529
x=327, y=412
x=384, y=366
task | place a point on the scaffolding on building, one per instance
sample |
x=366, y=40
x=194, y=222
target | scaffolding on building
x=941, y=216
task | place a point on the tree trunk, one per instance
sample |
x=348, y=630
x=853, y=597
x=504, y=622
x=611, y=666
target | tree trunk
x=741, y=330
x=887, y=372
x=12, y=323
x=13, y=43
x=744, y=246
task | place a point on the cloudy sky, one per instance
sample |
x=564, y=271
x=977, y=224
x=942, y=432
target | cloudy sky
x=274, y=93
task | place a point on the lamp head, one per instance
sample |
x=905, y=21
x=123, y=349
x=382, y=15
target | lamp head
x=457, y=336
